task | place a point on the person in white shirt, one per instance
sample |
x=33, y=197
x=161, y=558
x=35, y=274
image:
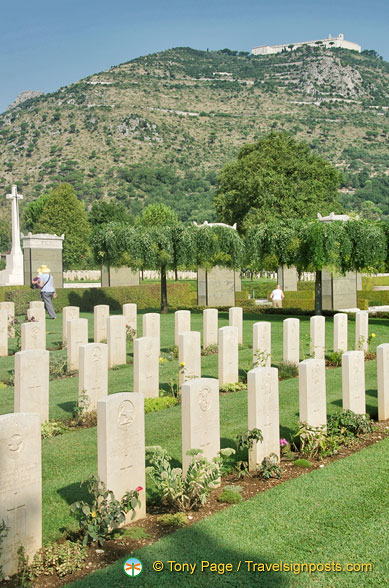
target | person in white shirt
x=45, y=282
x=276, y=296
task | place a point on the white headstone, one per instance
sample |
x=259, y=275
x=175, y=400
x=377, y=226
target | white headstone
x=318, y=336
x=36, y=314
x=130, y=316
x=4, y=322
x=235, y=315
x=37, y=304
x=20, y=487
x=383, y=381
x=263, y=413
x=93, y=373
x=353, y=381
x=121, y=446
x=340, y=332
x=362, y=330
x=292, y=340
x=312, y=392
x=100, y=315
x=189, y=356
x=69, y=313
x=116, y=339
x=210, y=327
x=77, y=334
x=152, y=327
x=32, y=382
x=262, y=344
x=228, y=359
x=33, y=335
x=200, y=418
x=146, y=367
x=13, y=273
x=10, y=308
x=181, y=324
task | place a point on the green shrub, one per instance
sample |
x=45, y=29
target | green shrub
x=177, y=519
x=154, y=404
x=230, y=495
x=302, y=463
x=269, y=468
x=58, y=558
x=236, y=387
x=52, y=429
x=300, y=303
x=287, y=370
x=348, y=424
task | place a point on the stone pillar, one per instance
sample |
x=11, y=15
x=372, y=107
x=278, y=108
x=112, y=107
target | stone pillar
x=341, y=332
x=181, y=324
x=200, y=418
x=20, y=487
x=36, y=315
x=43, y=249
x=210, y=327
x=77, y=334
x=292, y=340
x=10, y=308
x=100, y=315
x=263, y=413
x=353, y=381
x=228, y=359
x=116, y=339
x=3, y=333
x=216, y=287
x=152, y=327
x=32, y=382
x=69, y=313
x=33, y=335
x=362, y=330
x=235, y=316
x=146, y=367
x=13, y=273
x=318, y=336
x=189, y=356
x=312, y=392
x=287, y=278
x=130, y=317
x=119, y=276
x=262, y=344
x=383, y=381
x=121, y=447
x=93, y=373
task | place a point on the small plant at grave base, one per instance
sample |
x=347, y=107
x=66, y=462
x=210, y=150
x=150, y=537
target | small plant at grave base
x=172, y=352
x=130, y=533
x=302, y=463
x=236, y=387
x=58, y=368
x=3, y=535
x=242, y=469
x=173, y=388
x=270, y=468
x=130, y=334
x=97, y=518
x=16, y=325
x=335, y=359
x=10, y=380
x=246, y=440
x=210, y=350
x=160, y=403
x=178, y=519
x=287, y=370
x=260, y=358
x=230, y=495
x=81, y=405
x=284, y=447
x=346, y=424
x=185, y=492
x=306, y=346
x=314, y=441
x=60, y=558
x=23, y=568
x=52, y=429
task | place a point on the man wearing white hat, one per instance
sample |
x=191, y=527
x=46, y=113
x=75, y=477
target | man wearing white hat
x=45, y=282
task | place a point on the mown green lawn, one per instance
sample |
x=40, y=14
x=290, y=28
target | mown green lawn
x=337, y=515
x=69, y=459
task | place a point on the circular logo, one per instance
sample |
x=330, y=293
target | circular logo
x=15, y=445
x=205, y=399
x=132, y=567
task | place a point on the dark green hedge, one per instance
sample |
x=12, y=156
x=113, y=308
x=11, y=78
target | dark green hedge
x=145, y=296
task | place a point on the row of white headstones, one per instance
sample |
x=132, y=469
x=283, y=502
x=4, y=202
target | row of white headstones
x=120, y=417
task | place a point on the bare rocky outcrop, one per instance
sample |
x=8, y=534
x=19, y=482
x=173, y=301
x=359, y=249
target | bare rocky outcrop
x=27, y=95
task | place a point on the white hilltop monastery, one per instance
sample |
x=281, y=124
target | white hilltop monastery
x=329, y=43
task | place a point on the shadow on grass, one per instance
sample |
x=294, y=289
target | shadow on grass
x=76, y=491
x=68, y=406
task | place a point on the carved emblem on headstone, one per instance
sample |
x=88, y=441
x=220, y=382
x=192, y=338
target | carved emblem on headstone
x=126, y=414
x=205, y=399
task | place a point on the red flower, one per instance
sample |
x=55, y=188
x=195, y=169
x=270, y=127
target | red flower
x=139, y=489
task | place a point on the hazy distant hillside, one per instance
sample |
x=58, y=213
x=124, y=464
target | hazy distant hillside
x=161, y=126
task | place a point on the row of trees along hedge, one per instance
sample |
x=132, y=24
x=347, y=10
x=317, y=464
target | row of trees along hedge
x=358, y=245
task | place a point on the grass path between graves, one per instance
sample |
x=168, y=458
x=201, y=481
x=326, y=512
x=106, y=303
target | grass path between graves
x=338, y=514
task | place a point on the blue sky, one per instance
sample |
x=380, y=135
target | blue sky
x=48, y=44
